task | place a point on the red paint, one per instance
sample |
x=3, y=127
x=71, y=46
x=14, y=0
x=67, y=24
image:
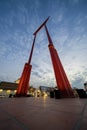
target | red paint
x=24, y=81
x=60, y=75
x=25, y=77
x=41, y=26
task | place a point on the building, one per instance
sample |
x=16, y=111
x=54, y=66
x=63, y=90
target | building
x=45, y=90
x=7, y=88
x=17, y=81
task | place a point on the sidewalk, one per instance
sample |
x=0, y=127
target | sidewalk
x=43, y=114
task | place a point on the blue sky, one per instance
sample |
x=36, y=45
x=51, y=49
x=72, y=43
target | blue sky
x=68, y=28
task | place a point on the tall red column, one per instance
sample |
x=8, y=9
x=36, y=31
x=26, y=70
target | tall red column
x=25, y=77
x=60, y=75
x=24, y=81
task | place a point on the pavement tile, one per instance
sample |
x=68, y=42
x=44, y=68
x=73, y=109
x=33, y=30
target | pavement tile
x=43, y=114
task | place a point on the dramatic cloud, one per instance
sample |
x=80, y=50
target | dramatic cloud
x=68, y=29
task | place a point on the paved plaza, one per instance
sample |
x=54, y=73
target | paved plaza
x=43, y=113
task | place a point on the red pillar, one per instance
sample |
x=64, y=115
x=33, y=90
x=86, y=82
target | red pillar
x=60, y=75
x=24, y=81
x=25, y=77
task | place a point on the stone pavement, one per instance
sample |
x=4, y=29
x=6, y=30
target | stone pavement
x=43, y=113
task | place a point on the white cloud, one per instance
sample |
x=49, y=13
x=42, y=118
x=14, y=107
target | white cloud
x=68, y=33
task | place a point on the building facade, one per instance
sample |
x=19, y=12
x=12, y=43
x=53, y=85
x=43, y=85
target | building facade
x=7, y=88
